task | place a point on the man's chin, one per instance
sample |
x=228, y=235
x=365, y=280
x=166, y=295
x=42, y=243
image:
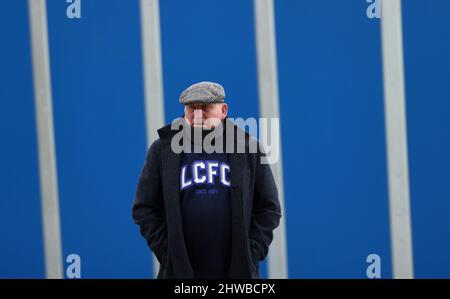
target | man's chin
x=199, y=126
x=205, y=127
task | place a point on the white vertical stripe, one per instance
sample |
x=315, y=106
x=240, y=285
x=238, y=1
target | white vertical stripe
x=153, y=82
x=45, y=136
x=268, y=106
x=396, y=139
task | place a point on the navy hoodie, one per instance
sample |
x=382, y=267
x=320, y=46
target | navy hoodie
x=206, y=211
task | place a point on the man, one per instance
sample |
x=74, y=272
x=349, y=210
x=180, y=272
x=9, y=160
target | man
x=206, y=214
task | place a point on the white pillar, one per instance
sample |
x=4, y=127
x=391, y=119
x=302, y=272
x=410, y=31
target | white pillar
x=45, y=136
x=269, y=108
x=396, y=139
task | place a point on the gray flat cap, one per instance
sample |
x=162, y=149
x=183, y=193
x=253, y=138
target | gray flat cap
x=203, y=92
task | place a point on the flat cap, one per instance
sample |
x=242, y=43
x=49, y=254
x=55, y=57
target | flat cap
x=203, y=92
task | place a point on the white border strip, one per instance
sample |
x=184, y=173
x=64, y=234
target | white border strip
x=396, y=139
x=268, y=106
x=153, y=78
x=45, y=136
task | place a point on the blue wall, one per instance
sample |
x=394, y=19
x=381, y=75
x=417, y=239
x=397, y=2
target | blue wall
x=21, y=244
x=332, y=121
x=427, y=68
x=100, y=134
x=331, y=106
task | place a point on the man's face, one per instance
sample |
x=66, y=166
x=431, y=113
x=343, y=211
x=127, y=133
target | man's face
x=205, y=115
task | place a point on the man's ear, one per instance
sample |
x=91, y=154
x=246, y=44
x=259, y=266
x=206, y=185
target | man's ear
x=224, y=110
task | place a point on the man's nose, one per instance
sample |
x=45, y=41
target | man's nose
x=198, y=113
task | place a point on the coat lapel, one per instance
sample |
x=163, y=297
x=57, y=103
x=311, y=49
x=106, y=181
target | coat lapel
x=171, y=187
x=239, y=248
